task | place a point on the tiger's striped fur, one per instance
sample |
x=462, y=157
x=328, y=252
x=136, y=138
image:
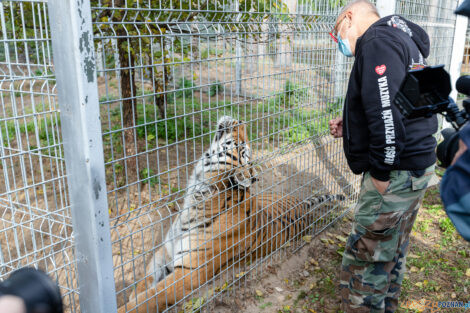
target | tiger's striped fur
x=220, y=223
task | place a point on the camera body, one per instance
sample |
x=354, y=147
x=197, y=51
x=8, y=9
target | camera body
x=425, y=92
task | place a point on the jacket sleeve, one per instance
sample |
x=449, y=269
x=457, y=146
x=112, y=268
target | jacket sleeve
x=383, y=68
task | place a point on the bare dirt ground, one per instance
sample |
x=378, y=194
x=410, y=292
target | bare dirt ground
x=137, y=232
x=38, y=230
x=307, y=281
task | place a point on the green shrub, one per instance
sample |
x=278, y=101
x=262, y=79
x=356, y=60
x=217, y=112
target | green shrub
x=185, y=88
x=216, y=88
x=293, y=93
x=335, y=106
x=148, y=176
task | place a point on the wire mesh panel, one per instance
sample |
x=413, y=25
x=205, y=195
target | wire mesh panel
x=466, y=55
x=215, y=129
x=438, y=19
x=214, y=118
x=35, y=224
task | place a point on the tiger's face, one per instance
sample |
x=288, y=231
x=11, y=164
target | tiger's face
x=230, y=151
x=232, y=140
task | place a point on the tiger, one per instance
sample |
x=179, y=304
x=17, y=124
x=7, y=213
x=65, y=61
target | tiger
x=221, y=223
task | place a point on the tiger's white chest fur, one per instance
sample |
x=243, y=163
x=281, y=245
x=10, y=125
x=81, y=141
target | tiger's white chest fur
x=188, y=221
x=178, y=241
x=187, y=230
x=189, y=225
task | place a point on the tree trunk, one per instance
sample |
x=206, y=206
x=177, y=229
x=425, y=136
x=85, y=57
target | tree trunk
x=129, y=105
x=161, y=83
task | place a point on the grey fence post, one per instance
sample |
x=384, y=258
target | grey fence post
x=75, y=68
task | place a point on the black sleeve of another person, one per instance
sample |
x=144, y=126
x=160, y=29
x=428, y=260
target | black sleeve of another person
x=383, y=68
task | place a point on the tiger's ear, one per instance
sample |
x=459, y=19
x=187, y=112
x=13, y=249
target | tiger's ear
x=225, y=124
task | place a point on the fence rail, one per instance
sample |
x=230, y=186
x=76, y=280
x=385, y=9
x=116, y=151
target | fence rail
x=195, y=137
x=35, y=218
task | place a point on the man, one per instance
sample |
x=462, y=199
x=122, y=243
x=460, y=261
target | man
x=457, y=200
x=396, y=155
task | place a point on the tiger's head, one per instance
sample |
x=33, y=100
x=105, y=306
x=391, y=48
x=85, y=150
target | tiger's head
x=230, y=153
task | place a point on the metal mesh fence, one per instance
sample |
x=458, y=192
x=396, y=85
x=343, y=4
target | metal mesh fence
x=466, y=55
x=465, y=70
x=168, y=72
x=35, y=223
x=438, y=19
x=214, y=118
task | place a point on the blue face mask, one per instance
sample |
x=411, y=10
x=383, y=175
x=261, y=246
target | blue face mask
x=344, y=47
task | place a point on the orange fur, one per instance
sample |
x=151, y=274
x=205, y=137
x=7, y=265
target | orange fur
x=241, y=226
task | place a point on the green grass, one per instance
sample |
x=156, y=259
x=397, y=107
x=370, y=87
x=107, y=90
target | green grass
x=216, y=88
x=211, y=53
x=335, y=107
x=148, y=176
x=188, y=120
x=280, y=117
x=44, y=128
x=265, y=305
x=284, y=118
x=109, y=97
x=423, y=226
x=448, y=231
x=185, y=88
x=293, y=124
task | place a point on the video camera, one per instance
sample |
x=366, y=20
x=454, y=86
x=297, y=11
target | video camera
x=425, y=92
x=37, y=291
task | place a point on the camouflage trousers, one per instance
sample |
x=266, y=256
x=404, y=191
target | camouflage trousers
x=374, y=259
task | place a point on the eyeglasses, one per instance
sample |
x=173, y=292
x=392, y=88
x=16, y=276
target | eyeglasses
x=334, y=32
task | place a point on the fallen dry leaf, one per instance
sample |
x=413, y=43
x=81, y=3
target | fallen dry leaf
x=240, y=274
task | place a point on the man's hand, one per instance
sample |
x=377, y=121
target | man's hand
x=381, y=186
x=336, y=127
x=462, y=149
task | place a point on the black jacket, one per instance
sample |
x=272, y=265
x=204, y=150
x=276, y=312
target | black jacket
x=377, y=138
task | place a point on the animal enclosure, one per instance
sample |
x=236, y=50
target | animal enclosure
x=122, y=119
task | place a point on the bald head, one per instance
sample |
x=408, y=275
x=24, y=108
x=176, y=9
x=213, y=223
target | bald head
x=354, y=20
x=360, y=7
